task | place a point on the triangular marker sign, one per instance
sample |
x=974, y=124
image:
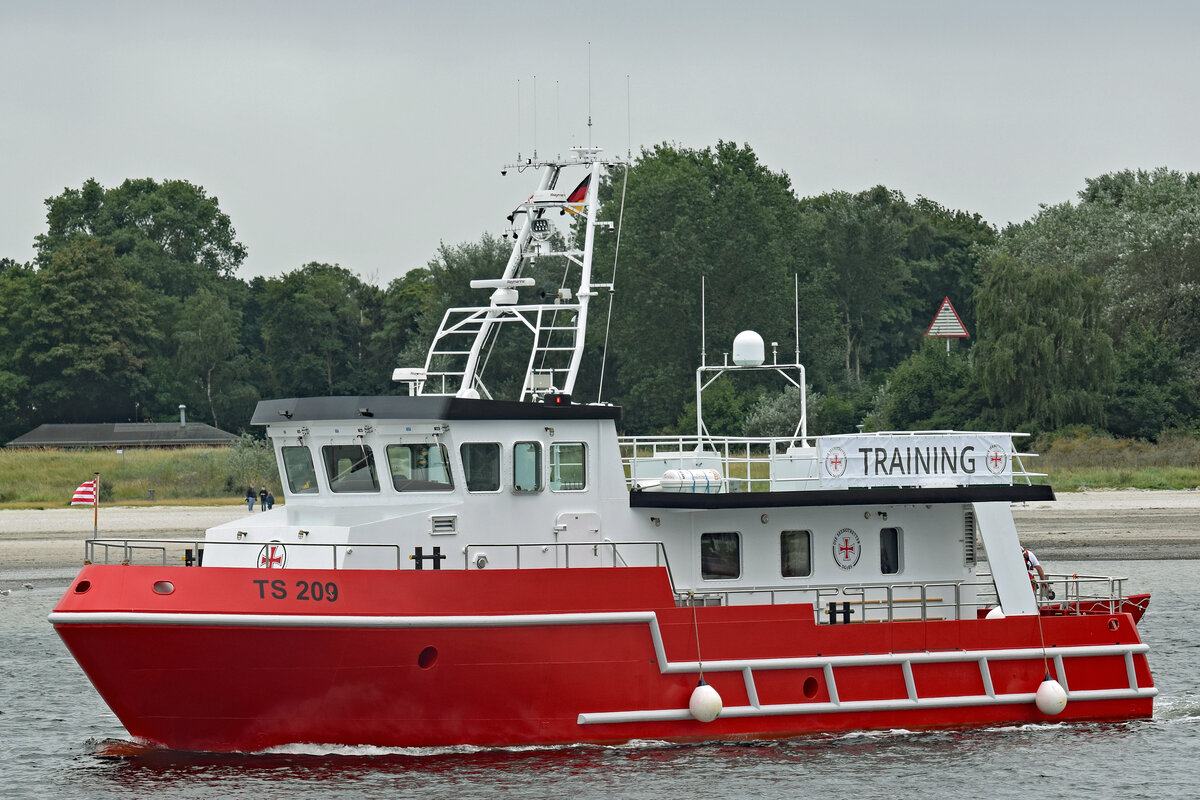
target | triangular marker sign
x=947, y=323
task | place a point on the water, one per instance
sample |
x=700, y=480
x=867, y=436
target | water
x=54, y=730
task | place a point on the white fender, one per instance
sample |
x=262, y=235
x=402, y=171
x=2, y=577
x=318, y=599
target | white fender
x=705, y=704
x=1051, y=697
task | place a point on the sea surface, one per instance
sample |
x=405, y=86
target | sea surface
x=57, y=739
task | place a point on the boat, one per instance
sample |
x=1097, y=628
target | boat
x=483, y=560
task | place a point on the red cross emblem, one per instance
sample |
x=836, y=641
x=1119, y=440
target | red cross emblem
x=272, y=556
x=846, y=548
x=835, y=462
x=997, y=459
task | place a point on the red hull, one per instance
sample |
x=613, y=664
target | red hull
x=432, y=658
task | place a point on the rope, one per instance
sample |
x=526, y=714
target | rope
x=696, y=627
x=1045, y=659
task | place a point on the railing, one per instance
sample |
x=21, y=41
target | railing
x=759, y=464
x=191, y=551
x=745, y=464
x=557, y=555
x=1075, y=593
x=882, y=602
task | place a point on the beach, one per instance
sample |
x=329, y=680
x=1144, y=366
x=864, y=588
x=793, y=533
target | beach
x=1127, y=524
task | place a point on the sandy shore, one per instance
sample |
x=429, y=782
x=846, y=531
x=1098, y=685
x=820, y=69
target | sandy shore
x=1117, y=525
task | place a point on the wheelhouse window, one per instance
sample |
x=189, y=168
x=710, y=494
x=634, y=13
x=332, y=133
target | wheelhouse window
x=890, y=541
x=795, y=554
x=350, y=467
x=527, y=467
x=720, y=556
x=481, y=466
x=419, y=467
x=568, y=467
x=301, y=475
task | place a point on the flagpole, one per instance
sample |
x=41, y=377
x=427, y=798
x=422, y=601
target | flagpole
x=96, y=508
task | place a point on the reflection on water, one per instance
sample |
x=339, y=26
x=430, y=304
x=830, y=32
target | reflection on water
x=59, y=740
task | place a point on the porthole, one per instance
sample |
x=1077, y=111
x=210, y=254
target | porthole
x=810, y=687
x=82, y=587
x=163, y=587
x=427, y=658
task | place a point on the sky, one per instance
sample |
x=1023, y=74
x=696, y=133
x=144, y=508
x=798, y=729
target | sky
x=365, y=134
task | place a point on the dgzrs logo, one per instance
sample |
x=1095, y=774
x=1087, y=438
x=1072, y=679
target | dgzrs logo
x=835, y=462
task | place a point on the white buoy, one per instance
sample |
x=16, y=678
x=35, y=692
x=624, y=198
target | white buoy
x=1051, y=697
x=705, y=704
x=995, y=613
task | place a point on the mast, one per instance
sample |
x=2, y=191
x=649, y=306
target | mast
x=556, y=321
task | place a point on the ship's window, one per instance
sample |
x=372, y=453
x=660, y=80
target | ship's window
x=350, y=467
x=890, y=540
x=301, y=475
x=568, y=468
x=720, y=556
x=795, y=554
x=481, y=466
x=527, y=467
x=419, y=467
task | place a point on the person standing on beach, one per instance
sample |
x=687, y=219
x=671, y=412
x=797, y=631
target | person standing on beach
x=250, y=498
x=270, y=500
x=262, y=495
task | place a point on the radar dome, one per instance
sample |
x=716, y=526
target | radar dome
x=748, y=349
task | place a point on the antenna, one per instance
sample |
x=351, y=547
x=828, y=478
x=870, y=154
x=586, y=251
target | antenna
x=703, y=345
x=518, y=120
x=796, y=280
x=589, y=95
x=628, y=136
x=535, y=117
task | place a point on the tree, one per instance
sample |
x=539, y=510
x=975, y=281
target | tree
x=316, y=330
x=930, y=390
x=1042, y=353
x=207, y=334
x=17, y=282
x=84, y=336
x=860, y=242
x=170, y=236
x=716, y=213
x=1151, y=393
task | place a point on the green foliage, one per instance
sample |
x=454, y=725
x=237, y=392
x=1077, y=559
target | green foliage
x=928, y=391
x=83, y=337
x=716, y=213
x=1085, y=314
x=252, y=460
x=316, y=329
x=1151, y=392
x=170, y=237
x=207, y=334
x=779, y=413
x=1043, y=356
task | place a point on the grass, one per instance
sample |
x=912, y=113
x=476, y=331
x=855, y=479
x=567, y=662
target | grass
x=1084, y=461
x=47, y=478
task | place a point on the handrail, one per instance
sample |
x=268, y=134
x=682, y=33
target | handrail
x=886, y=605
x=129, y=546
x=759, y=463
x=660, y=552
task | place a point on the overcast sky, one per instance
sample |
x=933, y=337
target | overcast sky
x=365, y=133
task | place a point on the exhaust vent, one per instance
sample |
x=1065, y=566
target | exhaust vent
x=444, y=525
x=969, y=538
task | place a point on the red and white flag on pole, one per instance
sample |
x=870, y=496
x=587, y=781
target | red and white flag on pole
x=85, y=495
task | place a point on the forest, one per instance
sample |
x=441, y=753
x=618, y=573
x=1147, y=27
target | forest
x=1085, y=317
